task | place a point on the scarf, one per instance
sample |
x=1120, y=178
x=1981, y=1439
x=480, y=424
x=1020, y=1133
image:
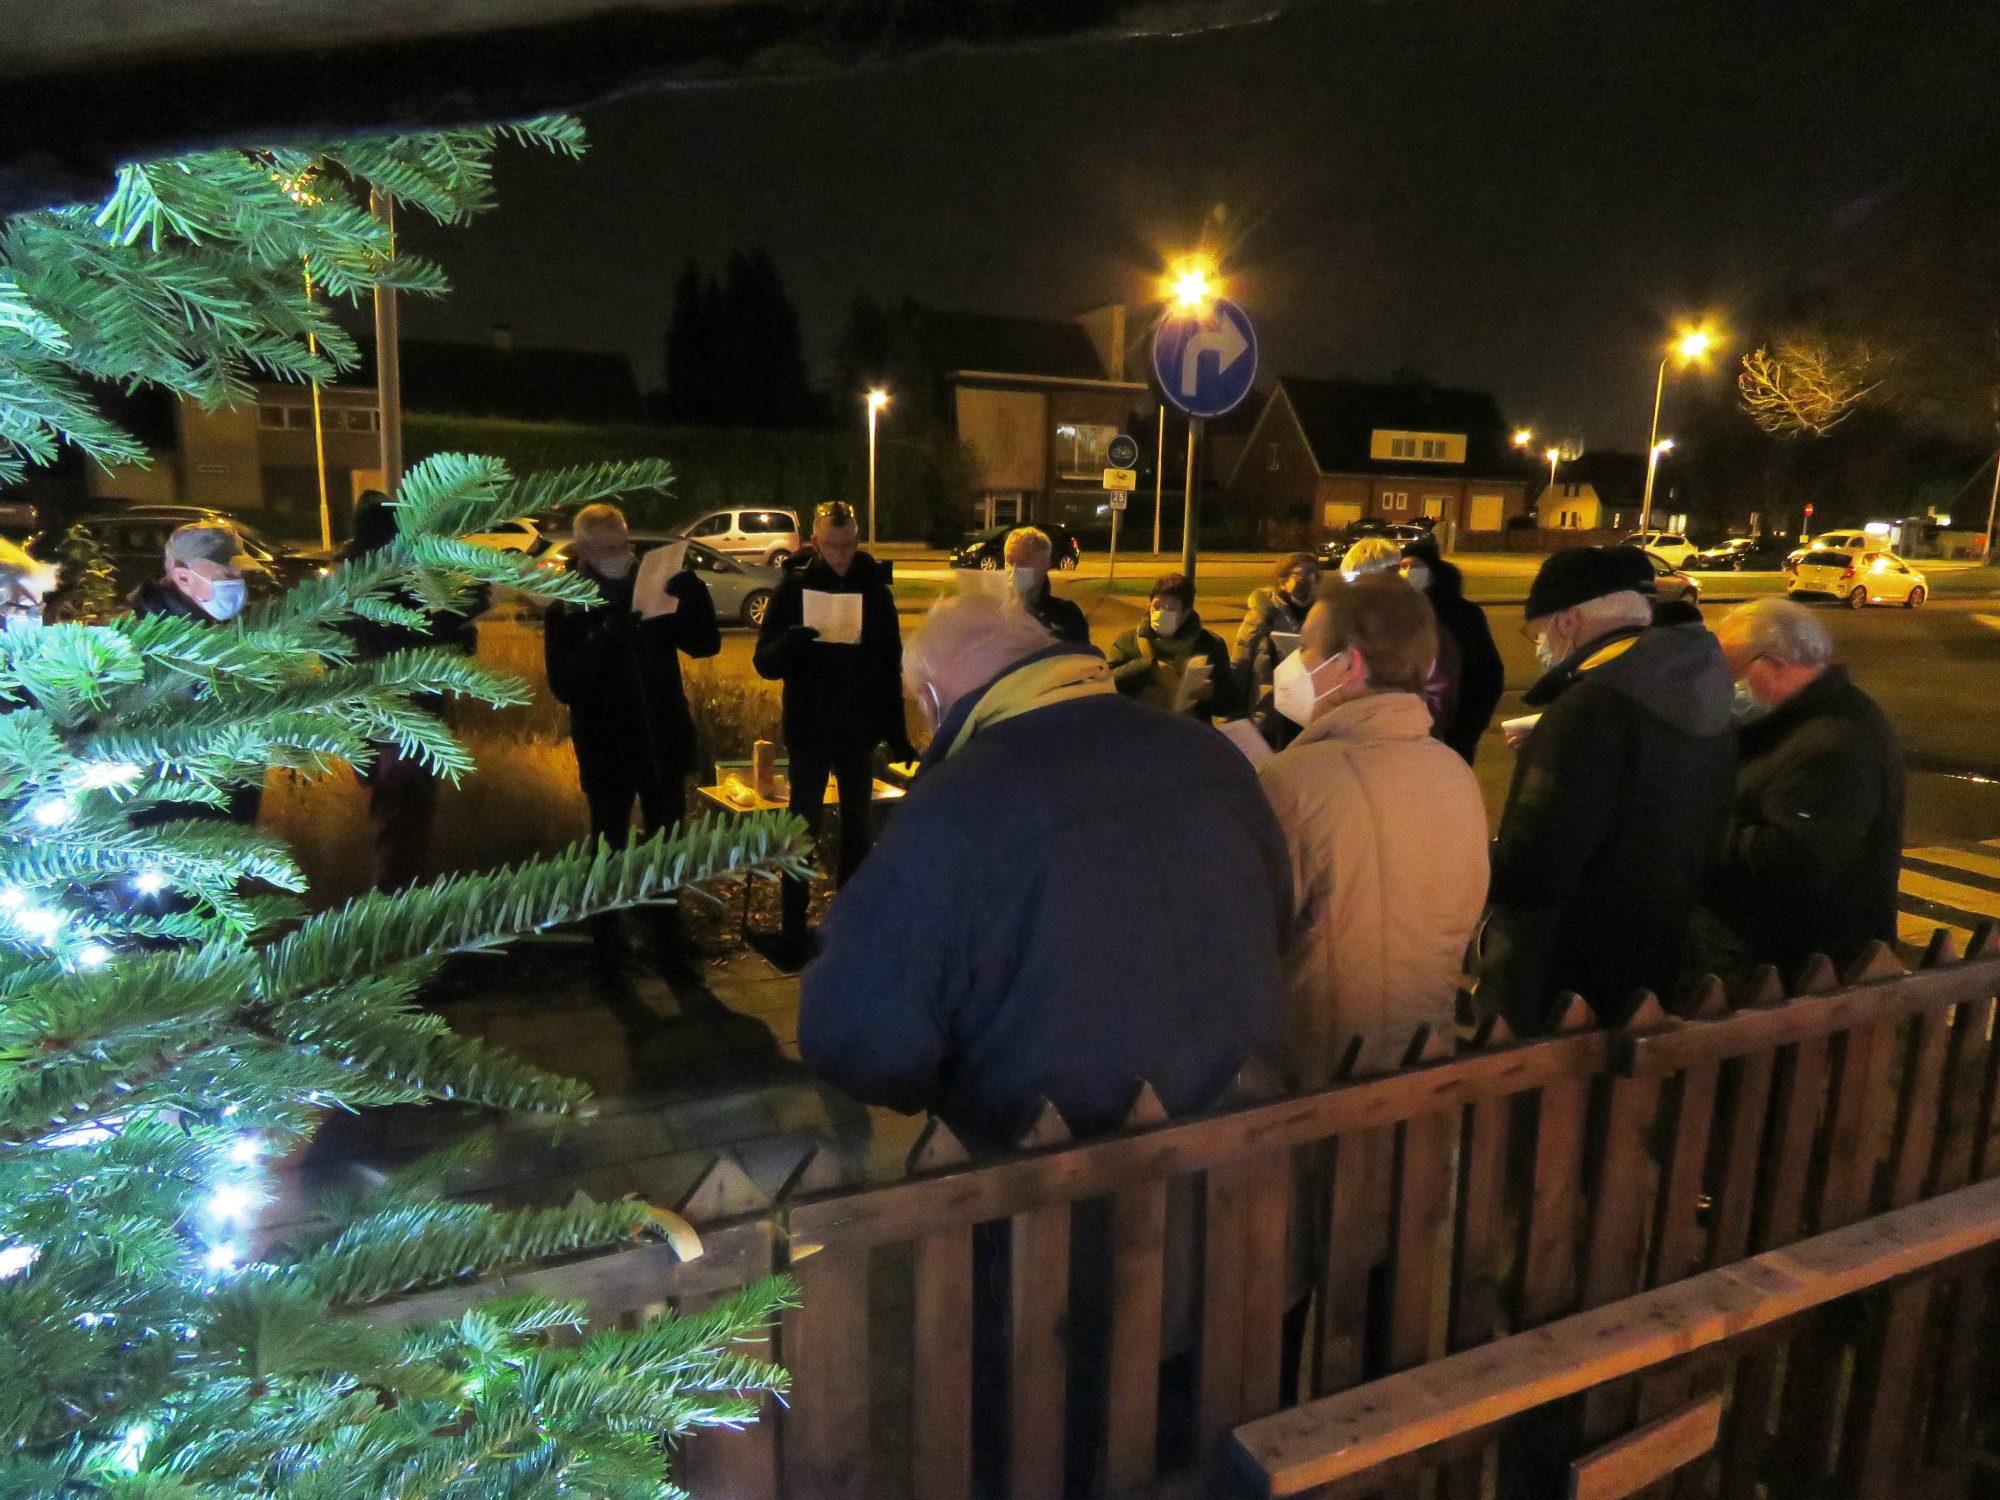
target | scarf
x=1036, y=683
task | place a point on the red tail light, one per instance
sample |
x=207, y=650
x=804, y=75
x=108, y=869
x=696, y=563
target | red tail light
x=1850, y=571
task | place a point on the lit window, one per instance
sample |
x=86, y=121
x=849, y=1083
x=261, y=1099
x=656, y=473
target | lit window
x=1434, y=448
x=1081, y=448
x=1402, y=447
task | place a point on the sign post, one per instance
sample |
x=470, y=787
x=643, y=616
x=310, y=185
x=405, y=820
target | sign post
x=1119, y=482
x=1206, y=361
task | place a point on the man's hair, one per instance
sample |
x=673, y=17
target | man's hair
x=971, y=637
x=1781, y=629
x=204, y=541
x=1294, y=560
x=1173, y=586
x=1383, y=618
x=1032, y=536
x=835, y=513
x=599, y=517
x=1370, y=553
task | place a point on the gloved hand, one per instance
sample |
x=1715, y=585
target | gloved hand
x=902, y=752
x=799, y=636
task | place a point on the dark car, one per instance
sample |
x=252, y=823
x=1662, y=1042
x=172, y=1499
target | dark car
x=984, y=549
x=1401, y=533
x=134, y=539
x=1741, y=554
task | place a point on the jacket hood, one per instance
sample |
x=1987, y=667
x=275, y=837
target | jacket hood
x=1675, y=672
x=1447, y=581
x=1377, y=716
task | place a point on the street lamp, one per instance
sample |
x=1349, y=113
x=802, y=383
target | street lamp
x=1192, y=285
x=1523, y=437
x=876, y=401
x=1554, y=456
x=1654, y=454
x=1688, y=348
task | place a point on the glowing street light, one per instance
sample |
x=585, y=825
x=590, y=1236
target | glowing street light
x=1688, y=348
x=1523, y=436
x=1554, y=456
x=877, y=399
x=1192, y=284
x=1654, y=454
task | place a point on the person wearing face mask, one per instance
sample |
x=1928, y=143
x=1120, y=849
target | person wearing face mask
x=842, y=700
x=620, y=676
x=25, y=583
x=1279, y=610
x=1469, y=676
x=1387, y=835
x=1149, y=661
x=1372, y=554
x=205, y=564
x=1619, y=800
x=1027, y=557
x=1814, y=853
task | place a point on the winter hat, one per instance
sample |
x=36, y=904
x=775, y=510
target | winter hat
x=1578, y=575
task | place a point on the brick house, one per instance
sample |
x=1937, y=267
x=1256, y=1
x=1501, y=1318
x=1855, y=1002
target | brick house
x=1594, y=491
x=1324, y=453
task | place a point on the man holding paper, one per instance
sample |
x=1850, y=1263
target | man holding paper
x=831, y=636
x=617, y=666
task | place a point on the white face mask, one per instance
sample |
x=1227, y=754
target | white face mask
x=1294, y=690
x=225, y=598
x=1419, y=577
x=931, y=702
x=1167, y=619
x=1027, y=580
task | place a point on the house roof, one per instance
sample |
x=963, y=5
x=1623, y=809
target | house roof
x=526, y=382
x=1618, y=478
x=1338, y=417
x=993, y=343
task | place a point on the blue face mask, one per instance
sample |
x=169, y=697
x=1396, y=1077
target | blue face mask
x=225, y=598
x=1746, y=708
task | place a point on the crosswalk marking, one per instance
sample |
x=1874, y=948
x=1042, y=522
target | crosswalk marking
x=1958, y=859
x=1950, y=893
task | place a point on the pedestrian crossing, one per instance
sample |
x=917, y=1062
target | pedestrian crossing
x=1953, y=886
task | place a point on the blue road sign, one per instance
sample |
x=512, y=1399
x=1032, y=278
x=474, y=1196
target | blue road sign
x=1206, y=362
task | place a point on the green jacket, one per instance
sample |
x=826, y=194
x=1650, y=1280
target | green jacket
x=1148, y=667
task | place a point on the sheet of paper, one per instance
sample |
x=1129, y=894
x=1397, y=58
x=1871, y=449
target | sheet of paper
x=994, y=585
x=837, y=617
x=650, y=598
x=1245, y=737
x=1285, y=642
x=1194, y=686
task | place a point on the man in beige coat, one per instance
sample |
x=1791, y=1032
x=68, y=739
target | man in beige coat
x=1387, y=835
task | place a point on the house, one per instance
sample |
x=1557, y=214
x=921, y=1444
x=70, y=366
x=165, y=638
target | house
x=1324, y=453
x=264, y=454
x=1035, y=401
x=1592, y=492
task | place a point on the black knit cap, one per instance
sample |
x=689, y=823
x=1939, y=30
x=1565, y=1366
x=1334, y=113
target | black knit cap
x=1578, y=575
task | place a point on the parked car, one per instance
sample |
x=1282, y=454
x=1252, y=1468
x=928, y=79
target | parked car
x=741, y=590
x=758, y=536
x=523, y=535
x=1671, y=545
x=1670, y=582
x=1740, y=554
x=1335, y=546
x=134, y=540
x=1836, y=541
x=1857, y=578
x=983, y=549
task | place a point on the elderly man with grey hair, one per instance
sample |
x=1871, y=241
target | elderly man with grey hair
x=1815, y=841
x=203, y=578
x=1079, y=893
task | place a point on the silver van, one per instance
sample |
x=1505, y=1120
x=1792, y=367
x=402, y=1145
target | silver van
x=758, y=536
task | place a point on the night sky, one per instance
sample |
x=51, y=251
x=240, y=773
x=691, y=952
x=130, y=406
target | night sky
x=1516, y=196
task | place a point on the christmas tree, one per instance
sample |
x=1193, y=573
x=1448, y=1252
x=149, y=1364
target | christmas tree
x=170, y=1016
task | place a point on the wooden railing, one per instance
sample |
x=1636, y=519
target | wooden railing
x=1489, y=1187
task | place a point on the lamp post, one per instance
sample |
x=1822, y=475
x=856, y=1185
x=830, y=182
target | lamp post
x=876, y=401
x=1194, y=288
x=1554, y=456
x=1690, y=347
x=1654, y=454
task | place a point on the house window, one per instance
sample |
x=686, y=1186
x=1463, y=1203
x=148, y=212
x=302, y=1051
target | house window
x=1395, y=499
x=1402, y=447
x=361, y=419
x=1433, y=448
x=1080, y=449
x=298, y=416
x=270, y=416
x=1391, y=445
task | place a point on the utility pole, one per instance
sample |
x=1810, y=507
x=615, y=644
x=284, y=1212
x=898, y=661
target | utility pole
x=1191, y=511
x=1992, y=511
x=1159, y=477
x=388, y=360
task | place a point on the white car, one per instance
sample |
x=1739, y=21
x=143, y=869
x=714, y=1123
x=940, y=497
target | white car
x=1857, y=578
x=1836, y=541
x=1669, y=545
x=512, y=536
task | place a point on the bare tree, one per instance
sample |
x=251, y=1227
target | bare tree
x=1807, y=386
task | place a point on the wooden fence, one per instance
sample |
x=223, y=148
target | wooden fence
x=1490, y=1186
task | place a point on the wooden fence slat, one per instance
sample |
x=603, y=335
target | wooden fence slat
x=1555, y=1209
x=1855, y=1116
x=1965, y=1072
x=1427, y=1146
x=1038, y=1361
x=1677, y=1232
x=1965, y=1341
x=825, y=1346
x=1614, y=1255
x=1736, y=1194
x=1917, y=1111
x=1225, y=1227
x=1353, y=1240
x=1267, y=1218
x=1655, y=1451
x=1879, y=1442
x=1138, y=1289
x=1480, y=1253
x=941, y=1344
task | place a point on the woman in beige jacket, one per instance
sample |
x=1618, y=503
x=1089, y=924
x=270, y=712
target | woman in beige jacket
x=1387, y=835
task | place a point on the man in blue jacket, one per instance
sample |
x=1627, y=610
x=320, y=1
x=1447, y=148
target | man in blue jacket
x=1080, y=892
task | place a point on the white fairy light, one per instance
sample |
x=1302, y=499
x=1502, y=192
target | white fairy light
x=224, y=1257
x=39, y=921
x=231, y=1202
x=246, y=1151
x=12, y=898
x=53, y=813
x=149, y=882
x=16, y=1258
x=132, y=1448
x=107, y=773
x=93, y=956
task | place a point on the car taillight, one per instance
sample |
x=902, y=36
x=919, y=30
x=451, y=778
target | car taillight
x=1850, y=571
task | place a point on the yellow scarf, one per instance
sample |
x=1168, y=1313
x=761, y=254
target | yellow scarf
x=1034, y=686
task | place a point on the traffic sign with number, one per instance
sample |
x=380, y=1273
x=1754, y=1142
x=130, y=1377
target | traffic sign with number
x=1116, y=501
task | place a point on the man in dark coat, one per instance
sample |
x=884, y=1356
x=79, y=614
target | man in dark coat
x=1269, y=633
x=1027, y=555
x=620, y=675
x=985, y=958
x=1618, y=804
x=1476, y=674
x=842, y=699
x=1150, y=661
x=1815, y=846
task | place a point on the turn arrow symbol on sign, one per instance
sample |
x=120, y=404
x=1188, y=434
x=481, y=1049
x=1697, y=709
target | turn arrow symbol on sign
x=1221, y=335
